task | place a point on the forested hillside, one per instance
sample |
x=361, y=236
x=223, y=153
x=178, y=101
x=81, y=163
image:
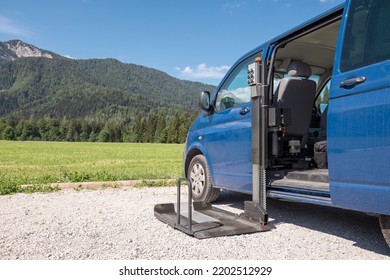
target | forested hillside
x=87, y=98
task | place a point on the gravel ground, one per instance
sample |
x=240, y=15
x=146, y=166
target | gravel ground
x=120, y=224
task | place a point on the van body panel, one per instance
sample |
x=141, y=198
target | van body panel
x=359, y=135
x=358, y=142
x=229, y=150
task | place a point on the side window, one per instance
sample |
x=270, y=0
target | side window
x=323, y=98
x=367, y=36
x=235, y=91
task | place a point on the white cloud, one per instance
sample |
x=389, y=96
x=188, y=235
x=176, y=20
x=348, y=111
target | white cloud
x=230, y=7
x=326, y=1
x=68, y=56
x=202, y=71
x=10, y=27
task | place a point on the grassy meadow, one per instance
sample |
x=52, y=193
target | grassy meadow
x=41, y=163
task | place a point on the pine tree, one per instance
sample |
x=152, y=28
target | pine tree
x=150, y=128
x=137, y=130
x=54, y=133
x=104, y=136
x=9, y=133
x=173, y=129
x=93, y=137
x=160, y=135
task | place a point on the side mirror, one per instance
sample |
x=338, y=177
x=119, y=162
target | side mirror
x=204, y=101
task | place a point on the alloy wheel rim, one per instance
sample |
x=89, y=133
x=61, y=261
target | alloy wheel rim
x=197, y=177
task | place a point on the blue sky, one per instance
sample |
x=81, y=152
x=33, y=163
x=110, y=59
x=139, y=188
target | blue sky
x=194, y=40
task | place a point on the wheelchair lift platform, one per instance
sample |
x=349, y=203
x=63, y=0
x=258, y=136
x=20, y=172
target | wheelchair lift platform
x=202, y=220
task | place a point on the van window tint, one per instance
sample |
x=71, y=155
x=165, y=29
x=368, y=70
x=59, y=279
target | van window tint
x=235, y=91
x=367, y=35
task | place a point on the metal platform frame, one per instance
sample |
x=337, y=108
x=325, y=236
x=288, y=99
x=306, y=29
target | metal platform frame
x=202, y=220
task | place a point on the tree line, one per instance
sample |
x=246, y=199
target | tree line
x=153, y=128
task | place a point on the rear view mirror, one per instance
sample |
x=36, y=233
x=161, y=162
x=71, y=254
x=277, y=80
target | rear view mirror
x=204, y=101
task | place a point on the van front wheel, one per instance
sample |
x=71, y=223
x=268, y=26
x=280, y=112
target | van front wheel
x=384, y=221
x=199, y=175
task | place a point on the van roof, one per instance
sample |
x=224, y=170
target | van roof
x=298, y=29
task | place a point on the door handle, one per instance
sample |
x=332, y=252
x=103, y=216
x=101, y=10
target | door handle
x=245, y=111
x=352, y=82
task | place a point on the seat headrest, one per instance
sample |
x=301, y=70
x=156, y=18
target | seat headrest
x=299, y=69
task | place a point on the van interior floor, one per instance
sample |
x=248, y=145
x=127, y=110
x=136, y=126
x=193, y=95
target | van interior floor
x=311, y=186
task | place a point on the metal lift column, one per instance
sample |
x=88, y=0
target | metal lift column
x=257, y=208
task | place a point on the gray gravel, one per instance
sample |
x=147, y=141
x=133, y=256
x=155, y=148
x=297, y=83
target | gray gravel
x=119, y=224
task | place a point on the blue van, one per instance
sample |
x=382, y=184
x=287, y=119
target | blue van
x=326, y=125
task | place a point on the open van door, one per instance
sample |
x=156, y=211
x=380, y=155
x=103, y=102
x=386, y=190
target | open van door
x=359, y=110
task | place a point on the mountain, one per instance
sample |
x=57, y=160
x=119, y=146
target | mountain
x=14, y=49
x=39, y=83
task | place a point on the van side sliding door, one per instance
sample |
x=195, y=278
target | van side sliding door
x=359, y=110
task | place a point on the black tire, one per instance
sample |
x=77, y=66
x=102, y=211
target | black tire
x=384, y=221
x=199, y=174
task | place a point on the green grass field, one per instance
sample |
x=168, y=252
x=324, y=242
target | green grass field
x=41, y=163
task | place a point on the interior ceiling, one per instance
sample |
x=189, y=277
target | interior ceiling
x=316, y=48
